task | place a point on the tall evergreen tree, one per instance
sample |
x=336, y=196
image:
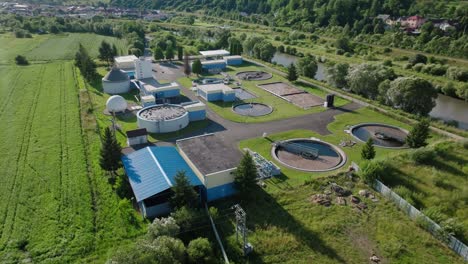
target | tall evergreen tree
x=106, y=52
x=158, y=53
x=184, y=194
x=85, y=63
x=197, y=67
x=110, y=152
x=245, y=176
x=180, y=53
x=419, y=134
x=169, y=53
x=292, y=73
x=187, y=68
x=368, y=151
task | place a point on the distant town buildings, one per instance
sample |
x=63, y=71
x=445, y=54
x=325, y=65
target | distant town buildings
x=412, y=24
x=79, y=11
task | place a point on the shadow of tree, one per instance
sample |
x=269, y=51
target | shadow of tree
x=263, y=210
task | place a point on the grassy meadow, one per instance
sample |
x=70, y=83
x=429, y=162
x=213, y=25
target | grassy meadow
x=53, y=47
x=57, y=205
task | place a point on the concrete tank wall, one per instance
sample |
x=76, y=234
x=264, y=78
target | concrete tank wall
x=116, y=87
x=163, y=126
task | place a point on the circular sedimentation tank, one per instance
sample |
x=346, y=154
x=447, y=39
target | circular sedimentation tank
x=311, y=155
x=383, y=135
x=163, y=118
x=252, y=109
x=254, y=75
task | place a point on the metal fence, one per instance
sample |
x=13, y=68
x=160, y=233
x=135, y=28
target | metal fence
x=435, y=229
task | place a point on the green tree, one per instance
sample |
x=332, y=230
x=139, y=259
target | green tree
x=187, y=68
x=21, y=60
x=197, y=67
x=413, y=95
x=292, y=73
x=336, y=75
x=245, y=176
x=364, y=79
x=180, y=53
x=200, y=251
x=235, y=46
x=164, y=226
x=264, y=50
x=110, y=152
x=184, y=194
x=106, y=52
x=169, y=53
x=342, y=43
x=85, y=63
x=307, y=66
x=158, y=53
x=417, y=58
x=368, y=151
x=164, y=249
x=419, y=134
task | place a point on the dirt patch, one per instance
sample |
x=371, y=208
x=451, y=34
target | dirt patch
x=280, y=88
x=304, y=100
x=363, y=243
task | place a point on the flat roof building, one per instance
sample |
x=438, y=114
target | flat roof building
x=216, y=92
x=214, y=53
x=213, y=162
x=125, y=62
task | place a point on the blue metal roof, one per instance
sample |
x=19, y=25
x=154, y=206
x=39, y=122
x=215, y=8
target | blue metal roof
x=152, y=170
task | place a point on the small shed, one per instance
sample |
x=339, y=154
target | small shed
x=214, y=54
x=137, y=137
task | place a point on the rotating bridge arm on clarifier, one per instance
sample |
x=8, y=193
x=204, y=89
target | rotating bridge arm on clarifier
x=299, y=149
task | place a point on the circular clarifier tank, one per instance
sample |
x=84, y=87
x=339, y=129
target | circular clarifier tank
x=312, y=155
x=382, y=135
x=163, y=118
x=254, y=75
x=252, y=109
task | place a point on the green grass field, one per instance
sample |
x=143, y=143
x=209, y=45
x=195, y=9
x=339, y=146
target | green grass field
x=441, y=185
x=56, y=207
x=281, y=108
x=54, y=47
x=285, y=227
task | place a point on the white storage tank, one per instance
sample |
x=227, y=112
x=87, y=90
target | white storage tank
x=116, y=81
x=115, y=104
x=163, y=118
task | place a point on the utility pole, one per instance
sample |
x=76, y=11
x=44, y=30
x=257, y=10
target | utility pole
x=241, y=228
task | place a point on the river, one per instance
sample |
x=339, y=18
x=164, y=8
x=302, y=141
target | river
x=447, y=108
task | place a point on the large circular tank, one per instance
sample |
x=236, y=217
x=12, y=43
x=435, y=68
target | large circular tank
x=311, y=155
x=116, y=81
x=115, y=104
x=383, y=135
x=163, y=118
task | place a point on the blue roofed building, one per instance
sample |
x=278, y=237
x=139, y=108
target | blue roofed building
x=151, y=172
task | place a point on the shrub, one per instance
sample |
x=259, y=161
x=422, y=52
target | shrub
x=186, y=216
x=464, y=143
x=373, y=170
x=21, y=60
x=435, y=213
x=387, y=50
x=387, y=63
x=404, y=193
x=407, y=66
x=449, y=89
x=163, y=227
x=422, y=156
x=452, y=226
x=418, y=58
x=200, y=251
x=418, y=67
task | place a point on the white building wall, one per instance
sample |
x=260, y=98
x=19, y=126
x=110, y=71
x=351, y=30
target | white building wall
x=137, y=140
x=143, y=69
x=116, y=87
x=164, y=126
